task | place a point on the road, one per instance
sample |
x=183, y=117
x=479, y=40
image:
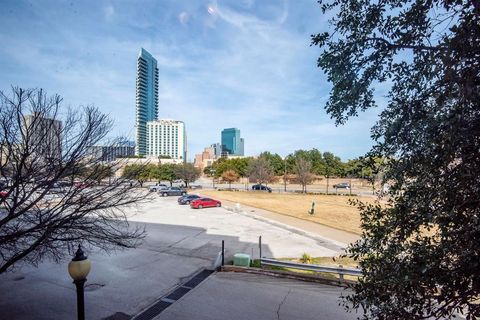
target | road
x=180, y=242
x=206, y=183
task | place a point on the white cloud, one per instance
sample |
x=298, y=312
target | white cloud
x=257, y=74
x=183, y=17
x=109, y=12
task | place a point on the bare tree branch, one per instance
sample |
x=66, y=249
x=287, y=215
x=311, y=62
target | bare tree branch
x=54, y=193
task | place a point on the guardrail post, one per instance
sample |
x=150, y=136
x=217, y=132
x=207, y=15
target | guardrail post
x=260, y=248
x=223, y=253
x=341, y=274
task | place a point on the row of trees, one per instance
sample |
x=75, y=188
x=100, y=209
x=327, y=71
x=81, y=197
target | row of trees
x=322, y=164
x=302, y=167
x=265, y=169
x=162, y=172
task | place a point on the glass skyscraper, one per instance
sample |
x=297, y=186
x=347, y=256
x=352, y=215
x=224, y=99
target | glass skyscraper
x=146, y=98
x=231, y=142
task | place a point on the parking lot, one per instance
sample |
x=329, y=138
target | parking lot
x=180, y=242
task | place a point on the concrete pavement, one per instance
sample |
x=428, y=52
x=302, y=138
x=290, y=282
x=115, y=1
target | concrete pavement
x=240, y=296
x=180, y=242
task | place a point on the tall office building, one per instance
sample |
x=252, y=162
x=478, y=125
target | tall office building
x=231, y=142
x=167, y=138
x=146, y=98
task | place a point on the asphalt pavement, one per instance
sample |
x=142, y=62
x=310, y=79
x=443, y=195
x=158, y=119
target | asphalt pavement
x=240, y=296
x=180, y=242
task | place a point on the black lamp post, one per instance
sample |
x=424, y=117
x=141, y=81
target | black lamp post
x=78, y=269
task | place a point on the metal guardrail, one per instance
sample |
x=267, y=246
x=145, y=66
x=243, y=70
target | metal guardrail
x=312, y=267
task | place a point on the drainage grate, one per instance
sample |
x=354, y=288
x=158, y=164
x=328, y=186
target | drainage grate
x=195, y=281
x=153, y=311
x=178, y=293
x=166, y=301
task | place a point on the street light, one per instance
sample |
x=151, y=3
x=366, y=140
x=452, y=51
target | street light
x=78, y=269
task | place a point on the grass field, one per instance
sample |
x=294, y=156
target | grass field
x=332, y=211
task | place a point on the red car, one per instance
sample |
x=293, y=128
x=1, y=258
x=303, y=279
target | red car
x=204, y=203
x=80, y=185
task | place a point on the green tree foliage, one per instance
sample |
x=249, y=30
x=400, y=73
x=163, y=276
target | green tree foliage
x=208, y=171
x=140, y=172
x=420, y=254
x=326, y=164
x=186, y=172
x=276, y=162
x=239, y=165
x=97, y=172
x=137, y=172
x=166, y=172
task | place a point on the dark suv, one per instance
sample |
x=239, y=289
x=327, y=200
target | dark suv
x=187, y=199
x=172, y=191
x=261, y=187
x=342, y=185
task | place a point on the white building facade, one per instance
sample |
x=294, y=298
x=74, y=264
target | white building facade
x=167, y=138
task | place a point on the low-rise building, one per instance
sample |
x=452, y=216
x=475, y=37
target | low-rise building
x=123, y=149
x=205, y=159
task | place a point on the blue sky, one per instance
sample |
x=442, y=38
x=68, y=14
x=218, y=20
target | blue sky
x=238, y=63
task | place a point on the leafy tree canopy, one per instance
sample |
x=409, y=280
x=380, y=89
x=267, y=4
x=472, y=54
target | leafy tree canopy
x=186, y=172
x=276, y=162
x=421, y=253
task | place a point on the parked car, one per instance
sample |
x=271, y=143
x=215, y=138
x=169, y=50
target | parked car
x=261, y=187
x=201, y=203
x=342, y=185
x=157, y=187
x=186, y=199
x=195, y=186
x=80, y=185
x=172, y=191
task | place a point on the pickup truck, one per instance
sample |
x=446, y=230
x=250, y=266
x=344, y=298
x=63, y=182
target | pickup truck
x=157, y=187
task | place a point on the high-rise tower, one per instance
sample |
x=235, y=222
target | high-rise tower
x=146, y=98
x=231, y=142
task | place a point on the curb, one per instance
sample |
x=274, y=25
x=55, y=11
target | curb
x=288, y=275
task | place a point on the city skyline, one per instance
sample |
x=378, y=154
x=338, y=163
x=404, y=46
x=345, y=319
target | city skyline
x=243, y=64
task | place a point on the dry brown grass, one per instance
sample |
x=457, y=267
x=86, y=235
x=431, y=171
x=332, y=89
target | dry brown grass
x=332, y=211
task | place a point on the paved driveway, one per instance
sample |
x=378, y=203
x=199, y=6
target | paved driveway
x=239, y=296
x=180, y=242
